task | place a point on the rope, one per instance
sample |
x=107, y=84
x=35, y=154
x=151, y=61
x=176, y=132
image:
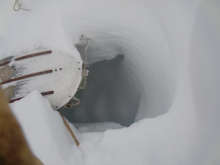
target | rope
x=69, y=129
x=86, y=48
x=83, y=82
x=72, y=104
x=19, y=6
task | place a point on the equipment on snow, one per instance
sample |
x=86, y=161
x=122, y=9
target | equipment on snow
x=82, y=47
x=55, y=74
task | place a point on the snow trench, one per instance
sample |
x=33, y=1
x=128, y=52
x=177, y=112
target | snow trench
x=141, y=85
x=117, y=87
x=155, y=63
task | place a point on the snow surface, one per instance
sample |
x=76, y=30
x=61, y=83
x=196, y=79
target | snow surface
x=97, y=127
x=171, y=50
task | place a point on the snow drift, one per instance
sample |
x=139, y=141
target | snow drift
x=170, y=67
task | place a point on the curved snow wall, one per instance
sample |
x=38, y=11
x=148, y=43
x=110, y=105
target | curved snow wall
x=170, y=50
x=139, y=85
x=156, y=41
x=144, y=82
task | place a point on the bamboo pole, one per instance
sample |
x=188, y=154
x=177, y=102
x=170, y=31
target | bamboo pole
x=70, y=131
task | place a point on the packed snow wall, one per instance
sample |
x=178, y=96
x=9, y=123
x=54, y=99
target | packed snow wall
x=170, y=67
x=145, y=80
x=156, y=40
x=154, y=37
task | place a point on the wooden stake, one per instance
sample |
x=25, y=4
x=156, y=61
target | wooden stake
x=70, y=131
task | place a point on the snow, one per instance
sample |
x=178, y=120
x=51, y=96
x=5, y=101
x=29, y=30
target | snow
x=171, y=69
x=43, y=126
x=97, y=127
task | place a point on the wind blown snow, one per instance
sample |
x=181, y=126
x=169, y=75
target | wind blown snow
x=171, y=70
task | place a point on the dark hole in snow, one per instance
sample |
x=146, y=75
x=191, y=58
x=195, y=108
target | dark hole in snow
x=105, y=98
